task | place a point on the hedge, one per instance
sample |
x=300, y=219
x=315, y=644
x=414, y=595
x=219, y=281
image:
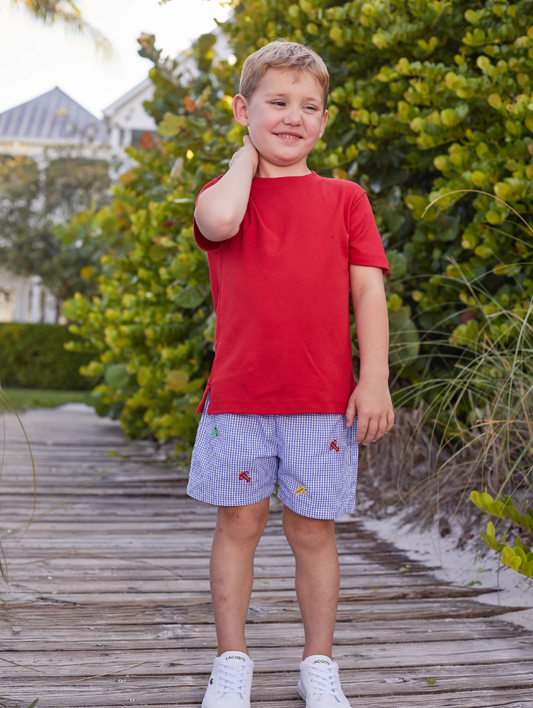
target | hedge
x=33, y=356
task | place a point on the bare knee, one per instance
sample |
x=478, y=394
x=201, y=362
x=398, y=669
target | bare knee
x=307, y=534
x=243, y=524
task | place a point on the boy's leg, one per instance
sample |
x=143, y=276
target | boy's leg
x=317, y=578
x=237, y=534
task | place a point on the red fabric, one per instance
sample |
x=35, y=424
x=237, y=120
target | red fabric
x=281, y=295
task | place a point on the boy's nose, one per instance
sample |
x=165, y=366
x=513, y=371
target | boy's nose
x=293, y=118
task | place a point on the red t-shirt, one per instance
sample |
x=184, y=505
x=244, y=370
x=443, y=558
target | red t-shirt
x=281, y=295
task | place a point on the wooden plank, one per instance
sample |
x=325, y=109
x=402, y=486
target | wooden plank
x=410, y=686
x=116, y=574
x=276, y=577
x=190, y=661
x=99, y=594
x=76, y=563
x=488, y=699
x=170, y=636
x=199, y=611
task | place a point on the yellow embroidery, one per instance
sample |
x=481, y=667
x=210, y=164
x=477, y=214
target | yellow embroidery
x=301, y=490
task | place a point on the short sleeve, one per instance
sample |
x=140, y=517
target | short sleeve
x=204, y=243
x=365, y=245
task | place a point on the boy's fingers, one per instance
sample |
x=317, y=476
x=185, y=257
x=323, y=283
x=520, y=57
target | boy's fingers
x=351, y=412
x=362, y=425
x=350, y=416
x=371, y=429
x=371, y=432
x=382, y=429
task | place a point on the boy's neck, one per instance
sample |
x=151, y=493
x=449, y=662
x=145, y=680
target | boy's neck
x=267, y=169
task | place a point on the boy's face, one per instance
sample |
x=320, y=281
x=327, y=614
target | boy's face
x=285, y=117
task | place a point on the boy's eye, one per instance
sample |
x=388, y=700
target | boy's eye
x=282, y=103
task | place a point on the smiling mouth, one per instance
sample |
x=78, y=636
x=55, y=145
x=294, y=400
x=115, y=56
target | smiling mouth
x=289, y=136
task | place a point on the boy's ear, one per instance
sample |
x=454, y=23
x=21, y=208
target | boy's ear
x=240, y=109
x=324, y=121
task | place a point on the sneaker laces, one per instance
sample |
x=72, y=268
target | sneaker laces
x=323, y=680
x=233, y=678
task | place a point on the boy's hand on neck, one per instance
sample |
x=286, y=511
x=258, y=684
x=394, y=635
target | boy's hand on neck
x=247, y=152
x=221, y=208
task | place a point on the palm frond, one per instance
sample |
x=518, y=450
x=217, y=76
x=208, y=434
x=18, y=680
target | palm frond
x=68, y=13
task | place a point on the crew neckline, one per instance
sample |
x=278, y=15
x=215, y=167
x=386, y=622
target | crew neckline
x=292, y=181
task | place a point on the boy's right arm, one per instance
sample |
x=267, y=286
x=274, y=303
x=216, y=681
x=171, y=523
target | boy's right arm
x=221, y=208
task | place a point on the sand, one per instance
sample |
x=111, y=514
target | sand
x=473, y=564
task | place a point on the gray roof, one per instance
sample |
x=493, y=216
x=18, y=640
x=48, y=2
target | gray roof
x=53, y=117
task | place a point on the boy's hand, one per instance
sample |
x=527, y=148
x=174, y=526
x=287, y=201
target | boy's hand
x=221, y=208
x=372, y=404
x=247, y=152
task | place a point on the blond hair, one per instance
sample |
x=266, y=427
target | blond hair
x=283, y=55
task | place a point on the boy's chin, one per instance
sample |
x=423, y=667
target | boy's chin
x=278, y=161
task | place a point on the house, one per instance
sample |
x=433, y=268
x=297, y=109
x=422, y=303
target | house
x=127, y=122
x=53, y=122
x=40, y=129
x=49, y=122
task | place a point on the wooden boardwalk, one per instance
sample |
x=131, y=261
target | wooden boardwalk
x=108, y=595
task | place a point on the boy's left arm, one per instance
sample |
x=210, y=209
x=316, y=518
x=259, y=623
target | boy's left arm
x=371, y=400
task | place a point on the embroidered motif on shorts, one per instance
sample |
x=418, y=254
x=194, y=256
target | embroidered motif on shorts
x=244, y=476
x=333, y=445
x=214, y=433
x=300, y=489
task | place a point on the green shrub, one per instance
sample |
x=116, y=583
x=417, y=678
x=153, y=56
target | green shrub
x=519, y=556
x=152, y=322
x=34, y=356
x=427, y=98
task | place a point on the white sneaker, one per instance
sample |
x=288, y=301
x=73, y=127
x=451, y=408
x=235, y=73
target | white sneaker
x=230, y=682
x=319, y=683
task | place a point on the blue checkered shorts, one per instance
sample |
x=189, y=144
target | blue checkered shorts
x=238, y=458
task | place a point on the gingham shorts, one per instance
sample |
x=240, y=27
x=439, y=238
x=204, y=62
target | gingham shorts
x=237, y=459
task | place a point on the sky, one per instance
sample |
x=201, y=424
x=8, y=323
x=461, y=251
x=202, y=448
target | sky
x=35, y=58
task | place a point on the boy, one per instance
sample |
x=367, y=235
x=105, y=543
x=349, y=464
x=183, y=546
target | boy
x=285, y=246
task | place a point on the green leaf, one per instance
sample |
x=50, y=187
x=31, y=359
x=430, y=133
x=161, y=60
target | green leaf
x=510, y=559
x=404, y=344
x=417, y=203
x=171, y=125
x=188, y=298
x=194, y=385
x=116, y=375
x=157, y=254
x=503, y=191
x=176, y=380
x=431, y=681
x=397, y=264
x=495, y=101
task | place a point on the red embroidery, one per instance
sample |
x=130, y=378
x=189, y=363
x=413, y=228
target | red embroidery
x=334, y=446
x=244, y=476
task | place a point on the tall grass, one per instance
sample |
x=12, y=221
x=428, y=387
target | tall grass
x=468, y=423
x=480, y=412
x=6, y=404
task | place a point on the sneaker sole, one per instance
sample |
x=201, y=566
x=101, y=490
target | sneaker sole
x=302, y=695
x=204, y=704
